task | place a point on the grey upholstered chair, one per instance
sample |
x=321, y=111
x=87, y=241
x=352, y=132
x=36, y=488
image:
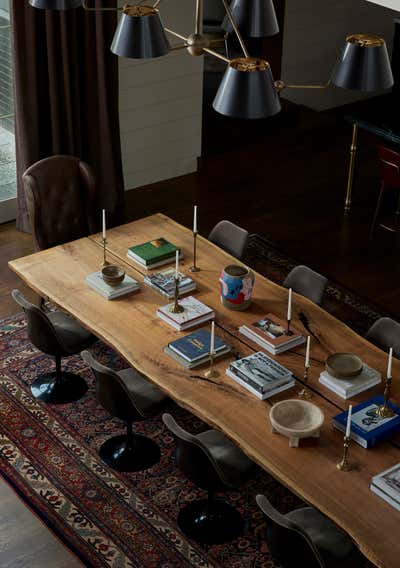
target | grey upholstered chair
x=229, y=237
x=307, y=282
x=127, y=395
x=385, y=333
x=211, y=461
x=59, y=334
x=305, y=537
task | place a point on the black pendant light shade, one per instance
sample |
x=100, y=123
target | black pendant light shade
x=254, y=18
x=140, y=34
x=364, y=65
x=247, y=90
x=55, y=4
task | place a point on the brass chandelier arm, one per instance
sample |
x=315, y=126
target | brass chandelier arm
x=280, y=85
x=178, y=46
x=199, y=9
x=180, y=36
x=206, y=49
x=236, y=29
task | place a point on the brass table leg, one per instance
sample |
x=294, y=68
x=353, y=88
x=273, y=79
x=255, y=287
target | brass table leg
x=350, y=177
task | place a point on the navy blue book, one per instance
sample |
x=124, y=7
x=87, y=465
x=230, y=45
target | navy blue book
x=367, y=429
x=196, y=345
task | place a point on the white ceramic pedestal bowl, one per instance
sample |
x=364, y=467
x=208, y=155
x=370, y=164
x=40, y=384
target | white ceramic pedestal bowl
x=296, y=419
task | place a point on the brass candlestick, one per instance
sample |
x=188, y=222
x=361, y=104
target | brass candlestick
x=344, y=464
x=194, y=268
x=288, y=331
x=211, y=373
x=304, y=392
x=176, y=308
x=384, y=410
x=105, y=262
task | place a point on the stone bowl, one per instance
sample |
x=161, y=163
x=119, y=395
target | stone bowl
x=112, y=274
x=344, y=365
x=296, y=419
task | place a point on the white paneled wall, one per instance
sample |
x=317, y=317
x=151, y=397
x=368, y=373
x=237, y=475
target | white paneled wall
x=315, y=31
x=161, y=107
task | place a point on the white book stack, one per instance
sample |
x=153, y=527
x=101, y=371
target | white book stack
x=387, y=486
x=96, y=282
x=194, y=313
x=347, y=388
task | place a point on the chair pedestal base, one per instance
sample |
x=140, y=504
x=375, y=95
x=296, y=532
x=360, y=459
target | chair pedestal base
x=142, y=453
x=210, y=522
x=59, y=388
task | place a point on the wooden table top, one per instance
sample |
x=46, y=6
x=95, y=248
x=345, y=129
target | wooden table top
x=130, y=325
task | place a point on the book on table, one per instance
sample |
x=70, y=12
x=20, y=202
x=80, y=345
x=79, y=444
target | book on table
x=96, y=282
x=387, y=486
x=193, y=350
x=154, y=253
x=164, y=283
x=269, y=333
x=368, y=429
x=261, y=375
x=347, y=388
x=194, y=313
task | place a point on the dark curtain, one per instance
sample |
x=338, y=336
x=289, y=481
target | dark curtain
x=66, y=96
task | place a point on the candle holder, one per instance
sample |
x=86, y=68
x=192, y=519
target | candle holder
x=384, y=410
x=105, y=261
x=211, y=373
x=288, y=331
x=344, y=464
x=176, y=308
x=304, y=392
x=194, y=268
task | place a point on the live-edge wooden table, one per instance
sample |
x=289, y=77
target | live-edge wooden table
x=130, y=325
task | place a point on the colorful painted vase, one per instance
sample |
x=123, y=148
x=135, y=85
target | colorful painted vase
x=237, y=284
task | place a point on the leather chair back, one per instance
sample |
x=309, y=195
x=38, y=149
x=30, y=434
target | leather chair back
x=60, y=199
x=111, y=391
x=307, y=282
x=193, y=459
x=288, y=542
x=390, y=166
x=385, y=333
x=40, y=329
x=229, y=237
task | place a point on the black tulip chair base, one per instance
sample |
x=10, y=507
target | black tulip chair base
x=210, y=521
x=135, y=453
x=58, y=387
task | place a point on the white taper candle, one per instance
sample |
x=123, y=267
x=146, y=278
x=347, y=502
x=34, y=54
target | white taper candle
x=348, y=425
x=389, y=367
x=104, y=224
x=307, y=363
x=289, y=307
x=177, y=264
x=212, y=337
x=195, y=219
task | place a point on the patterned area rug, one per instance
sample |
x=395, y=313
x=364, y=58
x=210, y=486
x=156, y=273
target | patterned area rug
x=267, y=259
x=49, y=455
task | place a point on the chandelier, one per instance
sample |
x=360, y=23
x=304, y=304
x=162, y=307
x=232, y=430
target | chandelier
x=248, y=89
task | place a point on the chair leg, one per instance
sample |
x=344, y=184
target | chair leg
x=210, y=521
x=130, y=452
x=377, y=208
x=58, y=387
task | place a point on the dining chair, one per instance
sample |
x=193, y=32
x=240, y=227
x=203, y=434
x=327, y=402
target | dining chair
x=129, y=396
x=229, y=237
x=213, y=463
x=60, y=192
x=389, y=161
x=58, y=334
x=305, y=537
x=385, y=333
x=307, y=282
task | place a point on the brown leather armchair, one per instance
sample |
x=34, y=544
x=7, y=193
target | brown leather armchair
x=60, y=193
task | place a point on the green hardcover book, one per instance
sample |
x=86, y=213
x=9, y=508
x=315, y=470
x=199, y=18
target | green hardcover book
x=153, y=251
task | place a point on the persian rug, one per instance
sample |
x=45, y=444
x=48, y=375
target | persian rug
x=357, y=312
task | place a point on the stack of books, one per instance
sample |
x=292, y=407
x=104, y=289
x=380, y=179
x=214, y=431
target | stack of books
x=261, y=375
x=194, y=350
x=269, y=333
x=367, y=429
x=387, y=486
x=96, y=282
x=347, y=388
x=194, y=313
x=153, y=253
x=164, y=283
